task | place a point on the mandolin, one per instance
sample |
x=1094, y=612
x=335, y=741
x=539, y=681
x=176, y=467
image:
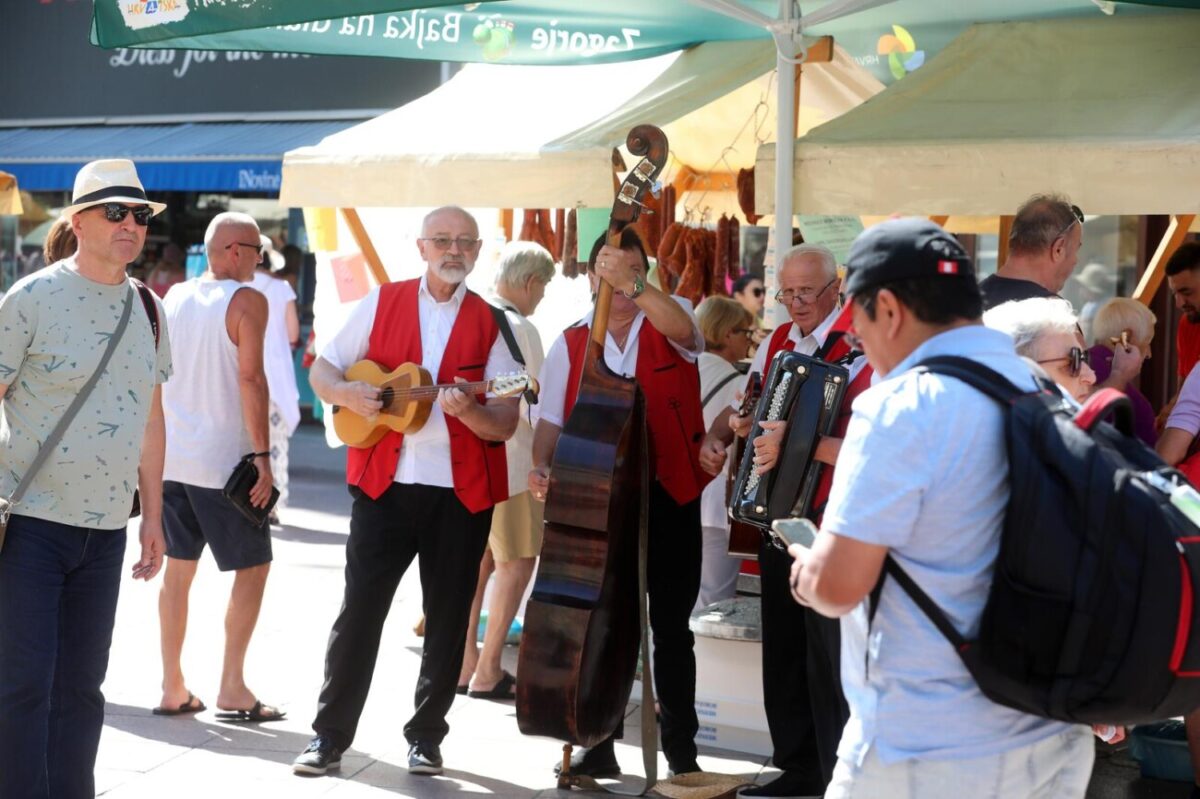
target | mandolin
x=408, y=393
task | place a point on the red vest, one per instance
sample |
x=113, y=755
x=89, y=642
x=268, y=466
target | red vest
x=479, y=467
x=675, y=420
x=861, y=382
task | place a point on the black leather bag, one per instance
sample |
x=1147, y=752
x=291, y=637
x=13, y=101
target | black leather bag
x=237, y=490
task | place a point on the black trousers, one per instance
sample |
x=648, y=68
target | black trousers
x=801, y=662
x=407, y=521
x=672, y=582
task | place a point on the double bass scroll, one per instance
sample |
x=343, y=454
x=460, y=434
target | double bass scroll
x=581, y=636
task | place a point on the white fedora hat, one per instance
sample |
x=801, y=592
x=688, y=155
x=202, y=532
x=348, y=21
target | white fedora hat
x=113, y=180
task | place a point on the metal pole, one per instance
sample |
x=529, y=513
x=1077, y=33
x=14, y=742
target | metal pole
x=785, y=148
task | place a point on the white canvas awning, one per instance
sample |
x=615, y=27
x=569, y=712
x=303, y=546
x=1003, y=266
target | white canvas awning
x=1103, y=110
x=513, y=136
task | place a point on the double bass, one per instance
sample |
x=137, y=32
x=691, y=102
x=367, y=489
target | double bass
x=581, y=631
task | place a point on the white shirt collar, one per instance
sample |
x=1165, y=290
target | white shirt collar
x=456, y=298
x=819, y=333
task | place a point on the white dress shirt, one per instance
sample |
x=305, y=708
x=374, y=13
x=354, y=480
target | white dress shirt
x=557, y=368
x=425, y=454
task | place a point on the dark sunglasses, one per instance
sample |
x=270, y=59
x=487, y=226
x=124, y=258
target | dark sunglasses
x=115, y=212
x=258, y=248
x=1076, y=357
x=759, y=291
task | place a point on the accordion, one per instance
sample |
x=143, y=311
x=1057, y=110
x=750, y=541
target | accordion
x=807, y=393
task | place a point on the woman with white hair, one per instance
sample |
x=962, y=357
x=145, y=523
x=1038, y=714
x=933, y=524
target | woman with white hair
x=1121, y=328
x=1046, y=330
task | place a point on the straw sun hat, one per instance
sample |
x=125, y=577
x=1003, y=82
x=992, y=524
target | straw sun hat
x=112, y=180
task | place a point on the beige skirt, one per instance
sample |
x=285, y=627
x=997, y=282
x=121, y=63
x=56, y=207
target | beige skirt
x=517, y=528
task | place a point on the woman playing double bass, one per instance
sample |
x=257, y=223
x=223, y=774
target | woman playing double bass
x=652, y=337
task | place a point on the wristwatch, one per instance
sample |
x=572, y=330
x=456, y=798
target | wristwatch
x=639, y=286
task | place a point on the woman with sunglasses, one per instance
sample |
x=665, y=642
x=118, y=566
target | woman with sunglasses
x=750, y=292
x=1046, y=330
x=727, y=328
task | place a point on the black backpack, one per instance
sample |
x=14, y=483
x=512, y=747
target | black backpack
x=1091, y=616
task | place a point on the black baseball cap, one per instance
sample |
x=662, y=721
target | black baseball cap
x=902, y=249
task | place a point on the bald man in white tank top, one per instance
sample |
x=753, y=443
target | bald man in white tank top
x=216, y=412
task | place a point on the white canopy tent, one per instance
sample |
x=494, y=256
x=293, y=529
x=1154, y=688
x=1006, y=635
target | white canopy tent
x=1101, y=109
x=510, y=136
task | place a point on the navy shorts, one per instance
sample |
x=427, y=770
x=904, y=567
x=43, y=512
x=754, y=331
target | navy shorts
x=194, y=516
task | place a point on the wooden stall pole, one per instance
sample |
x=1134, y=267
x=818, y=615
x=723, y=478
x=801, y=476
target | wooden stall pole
x=506, y=223
x=1152, y=278
x=364, y=244
x=1006, y=223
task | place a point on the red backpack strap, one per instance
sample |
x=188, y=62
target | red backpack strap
x=1104, y=403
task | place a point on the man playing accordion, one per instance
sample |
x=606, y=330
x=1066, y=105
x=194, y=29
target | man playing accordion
x=805, y=707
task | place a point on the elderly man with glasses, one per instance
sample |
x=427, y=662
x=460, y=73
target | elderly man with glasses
x=801, y=687
x=1043, y=249
x=428, y=494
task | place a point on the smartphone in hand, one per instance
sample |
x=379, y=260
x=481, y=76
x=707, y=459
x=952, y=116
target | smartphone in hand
x=795, y=531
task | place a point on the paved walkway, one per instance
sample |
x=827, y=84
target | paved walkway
x=142, y=755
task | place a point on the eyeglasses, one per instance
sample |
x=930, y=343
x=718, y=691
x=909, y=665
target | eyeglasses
x=758, y=291
x=258, y=248
x=1078, y=217
x=115, y=212
x=745, y=331
x=444, y=242
x=806, y=296
x=1076, y=357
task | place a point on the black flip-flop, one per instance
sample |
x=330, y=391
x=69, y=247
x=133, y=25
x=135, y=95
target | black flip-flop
x=461, y=690
x=505, y=688
x=259, y=712
x=185, y=708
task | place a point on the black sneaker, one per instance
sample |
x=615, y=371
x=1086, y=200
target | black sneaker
x=320, y=756
x=594, y=761
x=788, y=785
x=424, y=758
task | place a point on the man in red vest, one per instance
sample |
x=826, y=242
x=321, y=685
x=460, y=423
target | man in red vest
x=654, y=338
x=428, y=494
x=802, y=690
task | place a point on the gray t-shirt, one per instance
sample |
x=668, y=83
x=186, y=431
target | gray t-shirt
x=54, y=327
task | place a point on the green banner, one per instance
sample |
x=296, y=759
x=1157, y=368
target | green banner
x=890, y=40
x=534, y=32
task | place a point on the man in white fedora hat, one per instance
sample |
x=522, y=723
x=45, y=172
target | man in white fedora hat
x=60, y=565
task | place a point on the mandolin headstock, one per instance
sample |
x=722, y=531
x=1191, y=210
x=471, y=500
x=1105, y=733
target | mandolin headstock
x=510, y=385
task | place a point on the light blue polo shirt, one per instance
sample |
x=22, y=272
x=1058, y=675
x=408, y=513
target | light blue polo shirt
x=923, y=471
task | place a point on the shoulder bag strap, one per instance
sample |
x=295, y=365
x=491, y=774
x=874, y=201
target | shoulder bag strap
x=148, y=304
x=712, y=392
x=56, y=434
x=506, y=331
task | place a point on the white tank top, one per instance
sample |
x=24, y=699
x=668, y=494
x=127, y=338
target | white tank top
x=206, y=435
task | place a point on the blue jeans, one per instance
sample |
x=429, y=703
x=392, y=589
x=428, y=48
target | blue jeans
x=58, y=600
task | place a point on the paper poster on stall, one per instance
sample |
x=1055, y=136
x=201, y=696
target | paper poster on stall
x=835, y=232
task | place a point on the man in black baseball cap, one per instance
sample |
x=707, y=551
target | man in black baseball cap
x=922, y=478
x=909, y=280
